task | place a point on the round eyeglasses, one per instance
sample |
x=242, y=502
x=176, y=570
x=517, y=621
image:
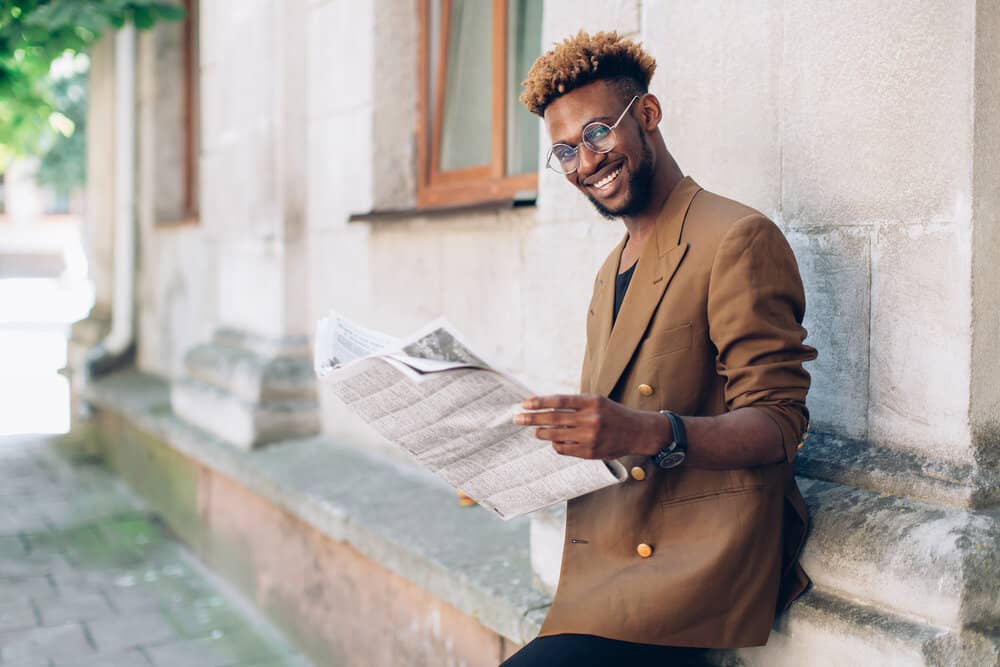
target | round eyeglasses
x=598, y=137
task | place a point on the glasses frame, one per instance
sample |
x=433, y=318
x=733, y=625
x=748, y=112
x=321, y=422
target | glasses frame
x=584, y=143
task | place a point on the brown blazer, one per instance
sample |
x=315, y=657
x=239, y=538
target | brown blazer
x=711, y=322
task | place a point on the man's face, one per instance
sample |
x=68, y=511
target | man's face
x=616, y=182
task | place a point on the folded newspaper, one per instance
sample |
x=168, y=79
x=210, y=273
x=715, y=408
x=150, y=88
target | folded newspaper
x=431, y=395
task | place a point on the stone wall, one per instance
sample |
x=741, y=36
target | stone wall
x=850, y=127
x=177, y=304
x=867, y=131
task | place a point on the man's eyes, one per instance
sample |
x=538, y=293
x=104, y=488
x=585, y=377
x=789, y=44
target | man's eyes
x=564, y=153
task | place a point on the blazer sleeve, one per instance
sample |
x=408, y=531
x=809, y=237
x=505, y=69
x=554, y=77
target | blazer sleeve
x=755, y=308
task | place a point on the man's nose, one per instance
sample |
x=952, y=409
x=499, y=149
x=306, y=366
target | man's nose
x=589, y=161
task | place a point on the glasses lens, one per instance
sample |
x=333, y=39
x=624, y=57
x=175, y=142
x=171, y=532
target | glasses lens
x=563, y=158
x=599, y=137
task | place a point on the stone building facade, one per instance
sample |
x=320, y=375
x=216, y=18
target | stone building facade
x=283, y=168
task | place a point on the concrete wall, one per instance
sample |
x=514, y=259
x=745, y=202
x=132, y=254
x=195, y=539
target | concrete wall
x=252, y=151
x=177, y=297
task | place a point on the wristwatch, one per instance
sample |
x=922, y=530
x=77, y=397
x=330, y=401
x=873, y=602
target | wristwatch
x=673, y=454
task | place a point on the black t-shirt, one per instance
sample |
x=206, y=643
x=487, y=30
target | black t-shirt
x=621, y=286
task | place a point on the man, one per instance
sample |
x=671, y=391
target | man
x=692, y=378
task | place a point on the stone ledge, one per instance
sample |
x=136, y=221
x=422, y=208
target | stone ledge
x=827, y=631
x=904, y=474
x=243, y=423
x=251, y=376
x=463, y=556
x=934, y=563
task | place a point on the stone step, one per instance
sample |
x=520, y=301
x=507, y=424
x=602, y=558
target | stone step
x=250, y=375
x=936, y=564
x=246, y=424
x=822, y=630
x=933, y=563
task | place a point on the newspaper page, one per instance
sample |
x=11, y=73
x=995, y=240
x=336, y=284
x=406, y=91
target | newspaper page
x=445, y=405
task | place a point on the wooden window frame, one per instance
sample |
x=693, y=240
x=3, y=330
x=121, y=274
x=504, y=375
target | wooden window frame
x=191, y=125
x=437, y=188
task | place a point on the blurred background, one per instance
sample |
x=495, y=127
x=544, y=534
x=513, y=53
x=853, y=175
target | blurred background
x=187, y=187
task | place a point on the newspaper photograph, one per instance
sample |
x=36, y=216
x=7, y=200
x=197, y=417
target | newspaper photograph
x=430, y=394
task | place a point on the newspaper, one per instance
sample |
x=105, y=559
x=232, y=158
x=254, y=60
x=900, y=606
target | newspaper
x=445, y=405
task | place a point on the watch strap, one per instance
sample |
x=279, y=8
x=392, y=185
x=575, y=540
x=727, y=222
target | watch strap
x=673, y=454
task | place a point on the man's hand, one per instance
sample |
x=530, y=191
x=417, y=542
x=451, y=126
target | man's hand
x=590, y=426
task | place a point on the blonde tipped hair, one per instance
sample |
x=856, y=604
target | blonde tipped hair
x=581, y=59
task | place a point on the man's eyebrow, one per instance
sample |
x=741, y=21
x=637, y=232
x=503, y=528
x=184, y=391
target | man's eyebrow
x=583, y=125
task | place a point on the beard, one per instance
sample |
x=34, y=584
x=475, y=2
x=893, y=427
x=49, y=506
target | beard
x=639, y=187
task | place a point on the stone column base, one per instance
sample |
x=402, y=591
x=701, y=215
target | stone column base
x=249, y=390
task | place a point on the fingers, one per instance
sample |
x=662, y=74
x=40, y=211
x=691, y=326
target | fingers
x=558, y=401
x=560, y=434
x=574, y=449
x=547, y=418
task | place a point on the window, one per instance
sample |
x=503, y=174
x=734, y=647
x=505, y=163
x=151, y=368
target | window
x=190, y=92
x=476, y=141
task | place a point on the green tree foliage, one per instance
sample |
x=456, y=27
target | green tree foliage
x=33, y=33
x=64, y=150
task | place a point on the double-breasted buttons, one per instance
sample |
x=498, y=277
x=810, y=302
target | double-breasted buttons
x=644, y=550
x=638, y=474
x=805, y=436
x=645, y=390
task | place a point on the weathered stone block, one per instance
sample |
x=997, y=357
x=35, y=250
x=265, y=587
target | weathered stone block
x=917, y=560
x=341, y=57
x=835, y=265
x=563, y=18
x=242, y=423
x=342, y=185
x=249, y=374
x=854, y=110
x=717, y=79
x=824, y=631
x=920, y=333
x=560, y=262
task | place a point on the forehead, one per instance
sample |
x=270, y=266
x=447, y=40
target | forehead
x=566, y=116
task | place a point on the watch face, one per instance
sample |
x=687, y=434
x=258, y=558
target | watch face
x=672, y=460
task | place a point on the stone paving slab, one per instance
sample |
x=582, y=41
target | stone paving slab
x=88, y=577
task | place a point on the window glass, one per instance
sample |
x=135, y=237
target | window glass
x=524, y=41
x=468, y=98
x=433, y=58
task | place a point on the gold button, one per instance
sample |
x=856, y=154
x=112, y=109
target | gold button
x=638, y=474
x=800, y=445
x=645, y=390
x=644, y=550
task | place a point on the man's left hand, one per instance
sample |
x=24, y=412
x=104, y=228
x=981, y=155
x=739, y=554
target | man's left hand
x=591, y=426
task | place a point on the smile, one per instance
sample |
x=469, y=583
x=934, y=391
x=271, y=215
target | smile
x=608, y=180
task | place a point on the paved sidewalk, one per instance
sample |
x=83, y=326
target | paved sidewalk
x=89, y=578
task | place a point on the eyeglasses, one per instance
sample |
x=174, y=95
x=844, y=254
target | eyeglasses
x=598, y=137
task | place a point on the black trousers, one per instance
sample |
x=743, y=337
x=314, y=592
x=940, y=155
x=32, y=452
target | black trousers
x=591, y=651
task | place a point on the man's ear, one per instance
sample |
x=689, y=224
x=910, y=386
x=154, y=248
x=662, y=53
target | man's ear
x=650, y=112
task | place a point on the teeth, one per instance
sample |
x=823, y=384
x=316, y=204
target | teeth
x=604, y=182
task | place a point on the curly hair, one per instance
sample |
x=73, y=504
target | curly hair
x=584, y=58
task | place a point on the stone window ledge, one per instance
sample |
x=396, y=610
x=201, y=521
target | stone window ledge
x=395, y=517
x=520, y=200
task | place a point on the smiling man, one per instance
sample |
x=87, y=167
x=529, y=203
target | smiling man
x=693, y=378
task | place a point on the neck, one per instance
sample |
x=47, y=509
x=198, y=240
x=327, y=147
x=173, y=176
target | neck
x=666, y=176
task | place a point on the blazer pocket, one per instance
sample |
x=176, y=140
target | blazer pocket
x=668, y=341
x=714, y=493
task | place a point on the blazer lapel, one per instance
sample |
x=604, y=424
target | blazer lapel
x=601, y=314
x=657, y=264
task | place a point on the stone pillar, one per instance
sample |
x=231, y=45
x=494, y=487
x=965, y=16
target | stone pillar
x=253, y=382
x=98, y=219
